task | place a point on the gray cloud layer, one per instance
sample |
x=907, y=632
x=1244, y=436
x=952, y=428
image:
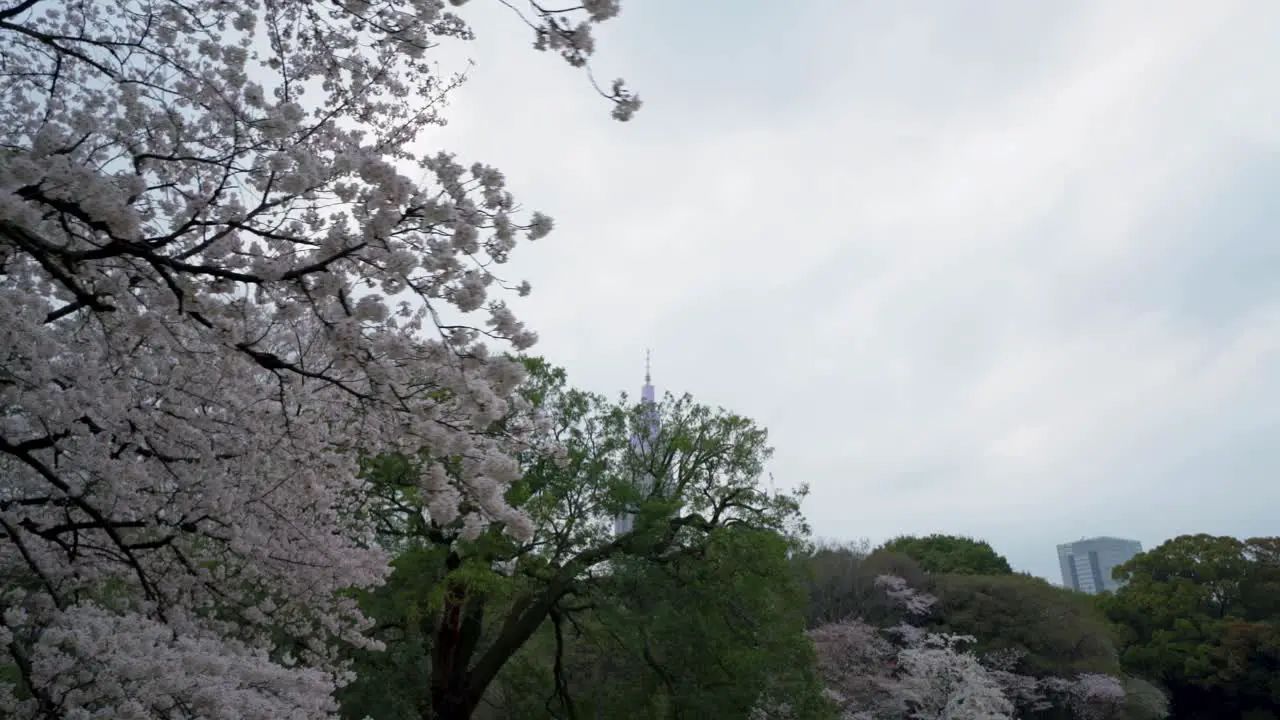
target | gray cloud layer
x=981, y=267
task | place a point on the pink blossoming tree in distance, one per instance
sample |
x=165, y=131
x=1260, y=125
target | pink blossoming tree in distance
x=224, y=270
x=922, y=675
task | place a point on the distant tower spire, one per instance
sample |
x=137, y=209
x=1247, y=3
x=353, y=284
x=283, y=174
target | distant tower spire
x=642, y=442
x=646, y=392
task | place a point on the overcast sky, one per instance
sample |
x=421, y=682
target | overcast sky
x=1003, y=269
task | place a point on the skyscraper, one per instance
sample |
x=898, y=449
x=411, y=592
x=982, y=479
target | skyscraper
x=1087, y=563
x=640, y=443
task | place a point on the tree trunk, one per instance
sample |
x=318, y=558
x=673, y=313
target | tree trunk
x=451, y=706
x=456, y=637
x=457, y=684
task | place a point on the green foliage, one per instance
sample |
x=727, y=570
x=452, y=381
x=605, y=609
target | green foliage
x=1201, y=615
x=11, y=675
x=1061, y=631
x=696, y=607
x=1248, y=658
x=951, y=554
x=725, y=625
x=1144, y=701
x=890, y=562
x=389, y=684
x=701, y=634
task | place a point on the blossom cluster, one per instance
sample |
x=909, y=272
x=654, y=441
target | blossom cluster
x=225, y=273
x=908, y=673
x=86, y=657
x=899, y=592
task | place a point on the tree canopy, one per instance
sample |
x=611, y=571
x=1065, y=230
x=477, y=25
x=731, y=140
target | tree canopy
x=951, y=554
x=715, y=635
x=1054, y=631
x=699, y=587
x=1201, y=615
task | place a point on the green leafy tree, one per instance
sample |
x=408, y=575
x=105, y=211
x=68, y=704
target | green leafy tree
x=1055, y=631
x=716, y=634
x=465, y=600
x=1199, y=615
x=1248, y=661
x=952, y=554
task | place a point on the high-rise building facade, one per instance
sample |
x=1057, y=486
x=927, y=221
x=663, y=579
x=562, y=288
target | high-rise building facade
x=1087, y=563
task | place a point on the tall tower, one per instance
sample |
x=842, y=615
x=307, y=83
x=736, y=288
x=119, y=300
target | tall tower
x=641, y=442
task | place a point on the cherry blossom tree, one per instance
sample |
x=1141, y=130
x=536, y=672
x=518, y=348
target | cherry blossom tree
x=1028, y=694
x=924, y=676
x=223, y=268
x=942, y=681
x=900, y=593
x=930, y=677
x=1096, y=696
x=855, y=658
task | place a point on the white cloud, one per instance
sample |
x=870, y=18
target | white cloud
x=946, y=256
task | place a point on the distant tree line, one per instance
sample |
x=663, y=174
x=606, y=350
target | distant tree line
x=1194, y=632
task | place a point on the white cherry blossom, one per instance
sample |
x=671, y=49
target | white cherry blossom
x=224, y=273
